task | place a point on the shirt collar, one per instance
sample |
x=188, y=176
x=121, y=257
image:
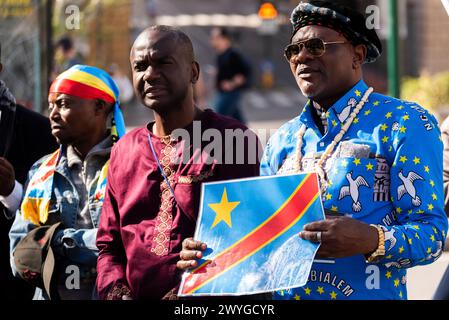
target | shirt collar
x=335, y=112
x=102, y=148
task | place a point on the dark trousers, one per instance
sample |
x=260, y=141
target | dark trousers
x=228, y=104
x=442, y=292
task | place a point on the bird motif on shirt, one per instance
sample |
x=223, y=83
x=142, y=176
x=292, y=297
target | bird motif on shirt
x=353, y=190
x=408, y=187
x=344, y=114
x=389, y=236
x=435, y=255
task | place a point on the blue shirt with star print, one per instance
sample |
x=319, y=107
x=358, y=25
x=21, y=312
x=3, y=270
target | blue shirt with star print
x=387, y=170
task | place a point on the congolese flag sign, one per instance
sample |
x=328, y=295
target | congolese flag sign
x=251, y=228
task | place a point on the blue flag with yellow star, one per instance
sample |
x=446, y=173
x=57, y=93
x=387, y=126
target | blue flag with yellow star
x=251, y=228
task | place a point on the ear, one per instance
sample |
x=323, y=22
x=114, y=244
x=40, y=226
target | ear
x=360, y=52
x=195, y=72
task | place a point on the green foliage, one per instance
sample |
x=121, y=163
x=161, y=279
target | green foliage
x=431, y=92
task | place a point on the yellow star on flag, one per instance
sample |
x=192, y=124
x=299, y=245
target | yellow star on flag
x=376, y=103
x=297, y=297
x=384, y=127
x=367, y=112
x=406, y=117
x=429, y=250
x=400, y=107
x=389, y=115
x=401, y=249
x=399, y=210
x=417, y=160
x=308, y=291
x=356, y=161
x=426, y=168
x=334, y=209
x=434, y=196
x=333, y=295
x=388, y=275
x=402, y=129
x=356, y=120
x=358, y=93
x=223, y=210
x=432, y=183
x=320, y=290
x=430, y=207
x=328, y=196
x=403, y=159
x=369, y=167
x=334, y=123
x=432, y=237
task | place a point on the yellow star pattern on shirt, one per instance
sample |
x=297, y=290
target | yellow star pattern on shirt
x=367, y=112
x=308, y=291
x=328, y=196
x=385, y=139
x=223, y=210
x=399, y=210
x=401, y=249
x=334, y=123
x=320, y=290
x=426, y=168
x=410, y=240
x=430, y=207
x=432, y=183
x=403, y=159
x=410, y=211
x=388, y=275
x=417, y=236
x=396, y=282
x=384, y=127
x=334, y=209
x=417, y=160
x=333, y=295
x=389, y=256
x=429, y=250
x=400, y=294
x=434, y=196
x=435, y=230
x=369, y=166
x=389, y=115
x=406, y=117
x=356, y=161
x=358, y=93
x=376, y=103
x=297, y=297
x=432, y=237
x=402, y=129
x=356, y=120
x=400, y=107
x=420, y=211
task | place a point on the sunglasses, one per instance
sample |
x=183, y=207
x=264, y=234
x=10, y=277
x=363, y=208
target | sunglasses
x=316, y=47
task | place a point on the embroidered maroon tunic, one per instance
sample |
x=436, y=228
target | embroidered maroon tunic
x=142, y=227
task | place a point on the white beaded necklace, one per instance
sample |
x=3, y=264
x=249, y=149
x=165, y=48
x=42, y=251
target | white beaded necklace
x=319, y=166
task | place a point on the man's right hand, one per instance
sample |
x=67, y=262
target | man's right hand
x=191, y=251
x=7, y=177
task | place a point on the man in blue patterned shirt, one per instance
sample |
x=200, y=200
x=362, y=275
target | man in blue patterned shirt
x=379, y=160
x=381, y=180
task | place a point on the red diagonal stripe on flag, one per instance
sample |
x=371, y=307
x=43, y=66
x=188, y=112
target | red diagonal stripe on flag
x=270, y=229
x=50, y=164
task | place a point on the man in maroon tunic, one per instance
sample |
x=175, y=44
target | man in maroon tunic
x=146, y=214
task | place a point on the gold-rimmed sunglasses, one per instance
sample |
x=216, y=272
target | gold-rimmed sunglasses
x=315, y=46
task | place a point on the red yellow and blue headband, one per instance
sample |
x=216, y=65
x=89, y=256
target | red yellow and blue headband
x=88, y=82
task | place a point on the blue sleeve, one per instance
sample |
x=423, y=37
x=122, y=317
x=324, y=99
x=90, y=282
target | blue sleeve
x=417, y=192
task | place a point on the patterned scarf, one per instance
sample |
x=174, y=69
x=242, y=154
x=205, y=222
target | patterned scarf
x=87, y=83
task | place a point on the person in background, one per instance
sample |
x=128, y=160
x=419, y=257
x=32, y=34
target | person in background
x=25, y=136
x=233, y=74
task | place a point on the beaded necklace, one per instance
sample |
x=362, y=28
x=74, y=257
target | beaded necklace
x=319, y=166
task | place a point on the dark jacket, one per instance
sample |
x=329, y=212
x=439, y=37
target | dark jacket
x=29, y=138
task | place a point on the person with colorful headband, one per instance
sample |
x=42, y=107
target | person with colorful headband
x=382, y=191
x=68, y=186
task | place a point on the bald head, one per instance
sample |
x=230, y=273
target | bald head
x=168, y=34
